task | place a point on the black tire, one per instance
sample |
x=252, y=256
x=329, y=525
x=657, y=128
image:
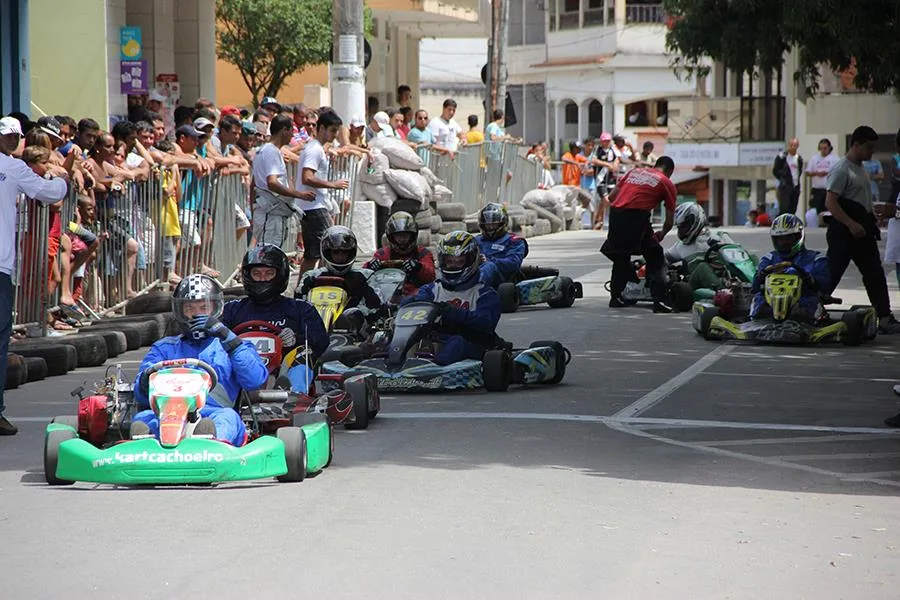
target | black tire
x=351, y=356
x=869, y=332
x=509, y=297
x=60, y=358
x=706, y=317
x=115, y=340
x=91, y=349
x=154, y=302
x=568, y=299
x=359, y=393
x=70, y=420
x=16, y=371
x=162, y=320
x=37, y=368
x=294, y=453
x=51, y=455
x=561, y=359
x=308, y=418
x=496, y=370
x=855, y=328
x=130, y=332
x=535, y=272
x=682, y=296
x=373, y=414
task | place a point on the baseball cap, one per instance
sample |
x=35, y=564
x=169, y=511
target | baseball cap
x=230, y=109
x=382, y=118
x=269, y=100
x=10, y=125
x=50, y=126
x=248, y=128
x=189, y=131
x=357, y=122
x=156, y=96
x=605, y=137
x=201, y=122
x=618, y=136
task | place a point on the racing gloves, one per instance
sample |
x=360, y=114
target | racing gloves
x=411, y=265
x=214, y=327
x=374, y=265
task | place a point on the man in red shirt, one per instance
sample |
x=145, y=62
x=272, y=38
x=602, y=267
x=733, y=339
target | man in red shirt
x=638, y=193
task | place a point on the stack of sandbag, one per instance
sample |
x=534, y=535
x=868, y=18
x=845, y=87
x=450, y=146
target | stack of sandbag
x=575, y=202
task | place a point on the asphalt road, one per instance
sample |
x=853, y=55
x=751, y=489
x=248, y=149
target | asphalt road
x=664, y=466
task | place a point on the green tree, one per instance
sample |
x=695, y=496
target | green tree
x=270, y=40
x=745, y=34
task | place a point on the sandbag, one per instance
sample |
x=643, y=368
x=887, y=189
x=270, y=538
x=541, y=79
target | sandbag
x=431, y=178
x=543, y=198
x=399, y=154
x=381, y=194
x=408, y=184
x=442, y=193
x=423, y=218
x=373, y=173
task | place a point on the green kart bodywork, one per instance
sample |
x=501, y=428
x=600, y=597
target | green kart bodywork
x=194, y=460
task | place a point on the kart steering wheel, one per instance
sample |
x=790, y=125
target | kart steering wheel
x=263, y=326
x=195, y=363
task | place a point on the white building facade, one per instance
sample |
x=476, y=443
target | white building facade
x=580, y=67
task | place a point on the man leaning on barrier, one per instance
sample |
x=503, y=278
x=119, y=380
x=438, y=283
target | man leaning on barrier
x=274, y=204
x=15, y=178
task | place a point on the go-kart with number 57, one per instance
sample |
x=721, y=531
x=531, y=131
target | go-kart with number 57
x=186, y=451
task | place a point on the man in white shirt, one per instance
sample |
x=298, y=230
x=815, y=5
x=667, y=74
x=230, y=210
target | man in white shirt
x=15, y=178
x=275, y=200
x=380, y=126
x=818, y=169
x=446, y=130
x=312, y=179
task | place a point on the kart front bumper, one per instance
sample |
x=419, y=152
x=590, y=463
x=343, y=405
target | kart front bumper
x=145, y=461
x=776, y=332
x=415, y=375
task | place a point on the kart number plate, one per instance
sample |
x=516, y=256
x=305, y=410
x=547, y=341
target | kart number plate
x=414, y=315
x=327, y=296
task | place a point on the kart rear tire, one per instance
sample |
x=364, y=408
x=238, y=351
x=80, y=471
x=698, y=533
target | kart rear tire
x=52, y=442
x=706, y=317
x=308, y=418
x=509, y=297
x=496, y=370
x=37, y=368
x=855, y=328
x=568, y=299
x=867, y=336
x=682, y=296
x=359, y=393
x=294, y=453
x=560, y=359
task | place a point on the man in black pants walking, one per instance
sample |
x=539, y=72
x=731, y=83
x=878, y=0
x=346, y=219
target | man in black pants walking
x=630, y=231
x=853, y=230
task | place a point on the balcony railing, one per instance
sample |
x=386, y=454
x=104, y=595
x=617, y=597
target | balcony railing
x=645, y=13
x=726, y=120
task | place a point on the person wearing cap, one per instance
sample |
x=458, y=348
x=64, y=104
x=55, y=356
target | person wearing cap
x=248, y=141
x=155, y=101
x=379, y=126
x=605, y=166
x=313, y=177
x=271, y=104
x=274, y=198
x=354, y=139
x=16, y=179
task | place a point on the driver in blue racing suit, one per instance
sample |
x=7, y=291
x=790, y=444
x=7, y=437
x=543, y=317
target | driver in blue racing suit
x=499, y=248
x=791, y=256
x=264, y=273
x=471, y=307
x=197, y=304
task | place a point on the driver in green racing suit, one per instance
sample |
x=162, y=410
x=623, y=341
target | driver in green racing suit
x=694, y=238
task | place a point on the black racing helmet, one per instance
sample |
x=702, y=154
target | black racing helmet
x=273, y=257
x=457, y=256
x=339, y=249
x=493, y=220
x=402, y=232
x=196, y=295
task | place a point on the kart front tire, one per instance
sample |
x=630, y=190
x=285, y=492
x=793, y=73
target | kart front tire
x=568, y=298
x=68, y=420
x=496, y=370
x=709, y=313
x=682, y=296
x=509, y=297
x=52, y=442
x=855, y=323
x=359, y=393
x=294, y=453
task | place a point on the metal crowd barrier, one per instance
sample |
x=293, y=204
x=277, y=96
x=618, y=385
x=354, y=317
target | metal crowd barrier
x=32, y=266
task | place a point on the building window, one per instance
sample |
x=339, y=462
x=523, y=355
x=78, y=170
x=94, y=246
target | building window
x=596, y=9
x=569, y=15
x=595, y=119
x=551, y=10
x=571, y=113
x=647, y=113
x=644, y=11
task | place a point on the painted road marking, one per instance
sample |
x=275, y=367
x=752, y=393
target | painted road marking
x=887, y=434
x=844, y=456
x=659, y=394
x=816, y=377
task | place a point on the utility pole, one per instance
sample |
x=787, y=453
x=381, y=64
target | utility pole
x=493, y=67
x=347, y=80
x=502, y=39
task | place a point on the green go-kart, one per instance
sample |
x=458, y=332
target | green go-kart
x=94, y=446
